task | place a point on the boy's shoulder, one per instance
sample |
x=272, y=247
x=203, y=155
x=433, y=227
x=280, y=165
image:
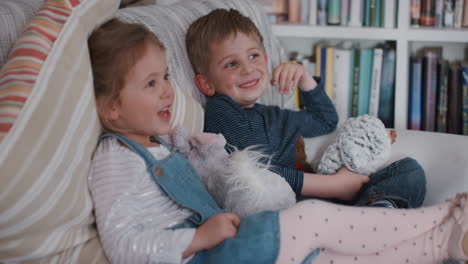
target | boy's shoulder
x=221, y=102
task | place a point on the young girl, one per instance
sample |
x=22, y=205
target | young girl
x=151, y=207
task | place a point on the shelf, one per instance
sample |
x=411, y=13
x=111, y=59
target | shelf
x=353, y=33
x=437, y=35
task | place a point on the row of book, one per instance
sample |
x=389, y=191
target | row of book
x=438, y=93
x=439, y=13
x=357, y=13
x=359, y=80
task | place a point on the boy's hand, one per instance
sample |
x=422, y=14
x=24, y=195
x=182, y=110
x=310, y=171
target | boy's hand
x=214, y=231
x=349, y=183
x=288, y=76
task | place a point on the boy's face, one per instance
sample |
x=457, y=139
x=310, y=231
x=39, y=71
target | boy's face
x=238, y=68
x=143, y=108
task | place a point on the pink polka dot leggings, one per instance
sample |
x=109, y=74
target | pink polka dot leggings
x=346, y=234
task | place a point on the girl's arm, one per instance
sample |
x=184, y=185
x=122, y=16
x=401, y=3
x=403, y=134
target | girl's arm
x=132, y=214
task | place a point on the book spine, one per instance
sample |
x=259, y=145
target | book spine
x=387, y=90
x=388, y=13
x=355, y=13
x=318, y=60
x=439, y=13
x=351, y=83
x=458, y=15
x=367, y=12
x=341, y=80
x=294, y=11
x=429, y=90
x=465, y=14
x=373, y=13
x=344, y=12
x=365, y=76
x=415, y=10
x=329, y=72
x=304, y=9
x=322, y=12
x=448, y=13
x=323, y=63
x=313, y=12
x=334, y=12
x=415, y=95
x=356, y=73
x=427, y=13
x=375, y=83
x=442, y=98
x=464, y=82
x=454, y=100
x=378, y=13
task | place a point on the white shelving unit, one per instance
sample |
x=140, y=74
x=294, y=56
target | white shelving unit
x=407, y=40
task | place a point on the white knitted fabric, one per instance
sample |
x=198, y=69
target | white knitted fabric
x=362, y=145
x=170, y=23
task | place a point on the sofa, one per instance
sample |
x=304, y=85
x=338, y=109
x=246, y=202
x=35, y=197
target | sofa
x=49, y=125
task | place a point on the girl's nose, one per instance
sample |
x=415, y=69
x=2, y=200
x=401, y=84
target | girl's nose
x=168, y=90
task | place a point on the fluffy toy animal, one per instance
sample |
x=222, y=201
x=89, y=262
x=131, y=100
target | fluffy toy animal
x=362, y=145
x=240, y=182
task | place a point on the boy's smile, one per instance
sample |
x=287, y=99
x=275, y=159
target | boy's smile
x=238, y=68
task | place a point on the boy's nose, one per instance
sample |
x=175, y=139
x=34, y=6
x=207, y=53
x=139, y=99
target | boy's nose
x=247, y=68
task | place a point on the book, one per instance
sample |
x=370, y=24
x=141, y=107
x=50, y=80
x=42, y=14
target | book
x=313, y=12
x=387, y=87
x=355, y=13
x=344, y=12
x=294, y=11
x=333, y=12
x=415, y=12
x=464, y=83
x=367, y=12
x=318, y=60
x=388, y=13
x=322, y=12
x=454, y=99
x=458, y=13
x=329, y=61
x=465, y=14
x=415, y=94
x=355, y=86
x=430, y=79
x=448, y=13
x=375, y=6
x=304, y=11
x=427, y=17
x=442, y=97
x=365, y=75
x=341, y=82
x=439, y=13
x=375, y=81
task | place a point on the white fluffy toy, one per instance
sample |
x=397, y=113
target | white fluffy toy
x=362, y=145
x=239, y=182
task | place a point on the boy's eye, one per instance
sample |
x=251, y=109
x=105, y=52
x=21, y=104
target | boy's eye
x=167, y=76
x=253, y=56
x=151, y=83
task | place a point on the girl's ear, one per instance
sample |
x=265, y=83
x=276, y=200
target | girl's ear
x=108, y=110
x=204, y=85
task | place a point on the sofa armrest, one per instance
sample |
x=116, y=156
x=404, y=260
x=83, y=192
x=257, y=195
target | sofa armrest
x=444, y=158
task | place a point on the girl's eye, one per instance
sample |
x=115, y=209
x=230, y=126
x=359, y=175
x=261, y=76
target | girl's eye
x=229, y=65
x=167, y=76
x=151, y=83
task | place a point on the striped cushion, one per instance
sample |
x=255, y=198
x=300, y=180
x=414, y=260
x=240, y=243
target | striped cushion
x=49, y=128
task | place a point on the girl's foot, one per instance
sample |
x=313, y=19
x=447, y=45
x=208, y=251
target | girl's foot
x=460, y=213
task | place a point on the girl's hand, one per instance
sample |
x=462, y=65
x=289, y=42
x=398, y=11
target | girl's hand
x=348, y=183
x=288, y=76
x=214, y=231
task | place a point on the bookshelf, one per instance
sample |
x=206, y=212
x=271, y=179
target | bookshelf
x=295, y=37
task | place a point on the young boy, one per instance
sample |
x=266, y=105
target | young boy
x=227, y=53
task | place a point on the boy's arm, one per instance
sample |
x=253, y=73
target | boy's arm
x=319, y=116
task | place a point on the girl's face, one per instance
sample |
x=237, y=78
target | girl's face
x=143, y=109
x=238, y=68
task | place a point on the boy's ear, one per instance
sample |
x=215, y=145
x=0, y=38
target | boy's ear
x=204, y=85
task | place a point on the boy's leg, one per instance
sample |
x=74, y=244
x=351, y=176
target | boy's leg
x=403, y=182
x=432, y=232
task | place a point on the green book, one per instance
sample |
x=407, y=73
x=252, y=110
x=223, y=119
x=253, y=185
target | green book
x=442, y=97
x=355, y=86
x=365, y=78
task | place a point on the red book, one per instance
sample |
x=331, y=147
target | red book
x=427, y=13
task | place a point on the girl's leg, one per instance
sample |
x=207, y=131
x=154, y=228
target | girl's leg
x=358, y=232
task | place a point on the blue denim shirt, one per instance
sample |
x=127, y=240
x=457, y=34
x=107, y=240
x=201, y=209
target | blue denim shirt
x=257, y=239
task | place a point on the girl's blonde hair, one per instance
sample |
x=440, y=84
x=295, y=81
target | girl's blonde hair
x=114, y=48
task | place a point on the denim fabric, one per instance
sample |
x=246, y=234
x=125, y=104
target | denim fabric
x=257, y=239
x=403, y=181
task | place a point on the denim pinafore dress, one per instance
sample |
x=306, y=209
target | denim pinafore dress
x=257, y=239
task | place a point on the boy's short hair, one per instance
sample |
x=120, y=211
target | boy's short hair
x=214, y=27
